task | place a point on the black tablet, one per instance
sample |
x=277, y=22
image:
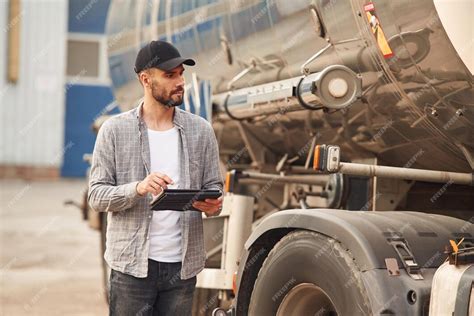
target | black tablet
x=181, y=200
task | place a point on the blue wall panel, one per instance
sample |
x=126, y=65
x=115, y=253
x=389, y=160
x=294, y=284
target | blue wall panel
x=83, y=104
x=86, y=16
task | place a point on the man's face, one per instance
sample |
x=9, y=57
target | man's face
x=167, y=87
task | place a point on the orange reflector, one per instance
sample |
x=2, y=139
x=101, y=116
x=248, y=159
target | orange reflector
x=234, y=283
x=456, y=246
x=227, y=181
x=317, y=153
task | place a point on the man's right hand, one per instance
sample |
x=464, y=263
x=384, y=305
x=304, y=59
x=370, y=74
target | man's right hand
x=154, y=183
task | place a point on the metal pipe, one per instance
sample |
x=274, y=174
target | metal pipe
x=310, y=180
x=302, y=170
x=406, y=173
x=248, y=181
x=267, y=109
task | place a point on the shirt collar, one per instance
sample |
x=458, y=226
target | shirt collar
x=177, y=117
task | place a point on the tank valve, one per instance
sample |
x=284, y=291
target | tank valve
x=337, y=86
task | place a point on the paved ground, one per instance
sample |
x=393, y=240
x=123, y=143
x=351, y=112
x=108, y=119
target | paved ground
x=49, y=257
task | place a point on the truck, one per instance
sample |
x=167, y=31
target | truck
x=346, y=140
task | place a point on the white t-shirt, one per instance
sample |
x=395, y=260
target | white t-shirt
x=165, y=227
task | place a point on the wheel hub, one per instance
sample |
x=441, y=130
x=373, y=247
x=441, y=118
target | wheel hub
x=306, y=299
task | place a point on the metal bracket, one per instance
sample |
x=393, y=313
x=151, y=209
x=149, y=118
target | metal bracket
x=392, y=266
x=240, y=75
x=254, y=63
x=467, y=155
x=305, y=71
x=406, y=256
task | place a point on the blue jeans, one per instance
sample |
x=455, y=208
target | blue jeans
x=162, y=292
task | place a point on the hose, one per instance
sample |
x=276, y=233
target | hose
x=301, y=101
x=226, y=108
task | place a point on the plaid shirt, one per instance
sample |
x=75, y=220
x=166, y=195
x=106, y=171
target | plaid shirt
x=121, y=159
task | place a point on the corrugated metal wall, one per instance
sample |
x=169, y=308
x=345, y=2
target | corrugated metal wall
x=32, y=110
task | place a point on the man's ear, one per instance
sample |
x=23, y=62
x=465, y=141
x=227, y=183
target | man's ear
x=144, y=78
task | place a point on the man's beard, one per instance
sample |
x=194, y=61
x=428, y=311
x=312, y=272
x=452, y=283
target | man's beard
x=166, y=98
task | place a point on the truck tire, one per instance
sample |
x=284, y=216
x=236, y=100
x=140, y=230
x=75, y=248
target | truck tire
x=307, y=273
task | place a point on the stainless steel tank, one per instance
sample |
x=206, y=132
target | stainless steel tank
x=417, y=102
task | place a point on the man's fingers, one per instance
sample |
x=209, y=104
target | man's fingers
x=213, y=201
x=156, y=182
x=155, y=188
x=201, y=206
x=164, y=177
x=159, y=181
x=206, y=207
x=153, y=185
x=197, y=204
x=205, y=204
x=214, y=204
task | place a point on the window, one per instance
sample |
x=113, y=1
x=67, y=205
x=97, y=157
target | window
x=83, y=58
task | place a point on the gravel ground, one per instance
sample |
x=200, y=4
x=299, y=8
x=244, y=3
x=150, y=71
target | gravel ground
x=49, y=257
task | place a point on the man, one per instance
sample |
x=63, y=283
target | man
x=154, y=256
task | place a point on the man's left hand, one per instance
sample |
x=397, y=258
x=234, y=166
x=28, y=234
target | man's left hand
x=209, y=206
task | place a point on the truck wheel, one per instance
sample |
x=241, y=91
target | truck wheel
x=105, y=266
x=309, y=274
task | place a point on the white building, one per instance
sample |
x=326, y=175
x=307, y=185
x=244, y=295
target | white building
x=32, y=87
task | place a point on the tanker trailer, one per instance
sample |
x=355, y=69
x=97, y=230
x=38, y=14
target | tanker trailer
x=346, y=136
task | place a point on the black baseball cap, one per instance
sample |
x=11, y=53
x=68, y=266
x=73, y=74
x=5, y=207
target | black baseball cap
x=160, y=54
